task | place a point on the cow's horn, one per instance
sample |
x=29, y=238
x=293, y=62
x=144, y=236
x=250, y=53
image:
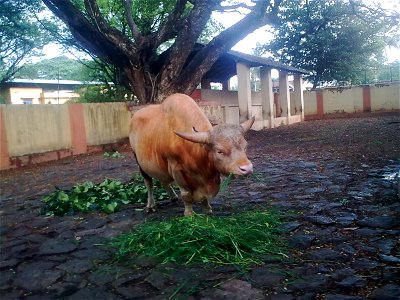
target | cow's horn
x=202, y=137
x=246, y=125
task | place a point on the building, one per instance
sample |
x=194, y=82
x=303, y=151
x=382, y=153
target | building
x=40, y=91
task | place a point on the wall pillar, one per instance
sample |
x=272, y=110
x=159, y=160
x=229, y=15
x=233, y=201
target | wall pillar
x=4, y=154
x=78, y=131
x=298, y=95
x=284, y=95
x=320, y=102
x=366, y=98
x=267, y=97
x=244, y=91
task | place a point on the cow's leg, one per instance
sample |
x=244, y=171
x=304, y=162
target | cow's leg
x=172, y=195
x=187, y=201
x=148, y=181
x=151, y=205
x=206, y=206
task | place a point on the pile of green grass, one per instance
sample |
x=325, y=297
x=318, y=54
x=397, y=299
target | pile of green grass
x=240, y=240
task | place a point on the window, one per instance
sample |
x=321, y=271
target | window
x=27, y=100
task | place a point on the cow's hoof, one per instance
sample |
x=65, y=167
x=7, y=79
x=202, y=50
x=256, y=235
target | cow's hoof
x=150, y=210
x=188, y=213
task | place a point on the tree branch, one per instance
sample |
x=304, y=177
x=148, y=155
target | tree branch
x=206, y=57
x=186, y=39
x=233, y=7
x=168, y=29
x=111, y=33
x=105, y=42
x=132, y=26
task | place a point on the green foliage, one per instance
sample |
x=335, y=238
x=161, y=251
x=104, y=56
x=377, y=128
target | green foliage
x=107, y=196
x=116, y=154
x=104, y=93
x=62, y=68
x=379, y=73
x=20, y=34
x=149, y=14
x=241, y=239
x=331, y=40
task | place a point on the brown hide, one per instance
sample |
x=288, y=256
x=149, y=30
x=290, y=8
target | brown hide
x=164, y=138
x=159, y=151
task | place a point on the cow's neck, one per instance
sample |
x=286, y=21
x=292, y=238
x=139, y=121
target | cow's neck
x=202, y=174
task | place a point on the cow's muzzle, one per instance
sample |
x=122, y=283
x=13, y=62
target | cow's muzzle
x=246, y=169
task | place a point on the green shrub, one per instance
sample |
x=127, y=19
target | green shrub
x=107, y=196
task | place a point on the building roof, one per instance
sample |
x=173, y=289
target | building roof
x=225, y=67
x=46, y=83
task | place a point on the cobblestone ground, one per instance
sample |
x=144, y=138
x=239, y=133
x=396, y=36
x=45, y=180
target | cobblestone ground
x=335, y=182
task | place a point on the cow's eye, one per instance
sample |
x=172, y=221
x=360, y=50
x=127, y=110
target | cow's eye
x=220, y=152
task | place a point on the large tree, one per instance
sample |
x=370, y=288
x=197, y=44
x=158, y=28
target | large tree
x=334, y=40
x=20, y=35
x=153, y=45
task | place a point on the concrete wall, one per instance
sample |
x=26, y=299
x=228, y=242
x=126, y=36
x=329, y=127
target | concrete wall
x=36, y=128
x=310, y=103
x=346, y=100
x=215, y=113
x=386, y=97
x=106, y=122
x=351, y=99
x=37, y=133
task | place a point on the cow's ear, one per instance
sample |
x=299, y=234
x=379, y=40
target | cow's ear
x=246, y=125
x=195, y=137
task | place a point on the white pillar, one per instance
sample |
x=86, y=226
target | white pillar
x=244, y=91
x=284, y=95
x=267, y=97
x=298, y=94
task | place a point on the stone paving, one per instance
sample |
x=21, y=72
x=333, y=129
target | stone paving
x=341, y=222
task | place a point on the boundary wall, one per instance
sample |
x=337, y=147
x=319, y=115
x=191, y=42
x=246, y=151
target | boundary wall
x=322, y=103
x=31, y=134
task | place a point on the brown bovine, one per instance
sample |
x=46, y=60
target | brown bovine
x=174, y=141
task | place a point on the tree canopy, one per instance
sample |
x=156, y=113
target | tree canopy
x=62, y=68
x=20, y=34
x=335, y=40
x=154, y=45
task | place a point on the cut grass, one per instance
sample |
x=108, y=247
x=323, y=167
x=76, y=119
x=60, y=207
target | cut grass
x=242, y=239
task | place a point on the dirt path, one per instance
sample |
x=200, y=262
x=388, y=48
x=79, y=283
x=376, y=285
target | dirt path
x=334, y=182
